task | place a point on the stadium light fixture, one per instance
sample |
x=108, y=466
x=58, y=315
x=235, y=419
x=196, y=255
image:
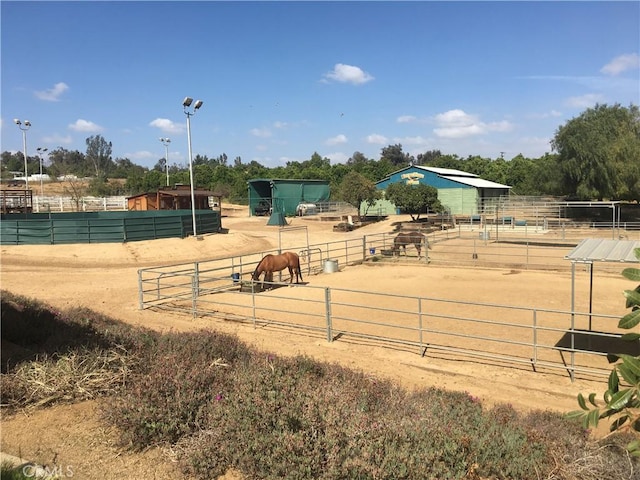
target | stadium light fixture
x=41, y=152
x=166, y=142
x=186, y=103
x=24, y=127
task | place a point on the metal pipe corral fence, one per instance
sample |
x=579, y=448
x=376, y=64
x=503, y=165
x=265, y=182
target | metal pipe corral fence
x=530, y=337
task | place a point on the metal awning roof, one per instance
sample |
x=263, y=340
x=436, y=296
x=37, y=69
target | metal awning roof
x=600, y=250
x=475, y=182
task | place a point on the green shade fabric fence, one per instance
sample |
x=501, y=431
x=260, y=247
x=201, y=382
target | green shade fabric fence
x=103, y=227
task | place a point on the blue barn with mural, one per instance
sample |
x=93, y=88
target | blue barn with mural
x=461, y=193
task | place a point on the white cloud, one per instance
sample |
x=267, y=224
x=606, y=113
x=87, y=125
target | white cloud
x=279, y=124
x=56, y=139
x=167, y=126
x=458, y=131
x=406, y=119
x=85, y=126
x=337, y=140
x=260, y=132
x=502, y=126
x=584, y=101
x=142, y=155
x=455, y=117
x=53, y=94
x=621, y=63
x=459, y=124
x=376, y=139
x=411, y=140
x=337, y=157
x=551, y=114
x=348, y=74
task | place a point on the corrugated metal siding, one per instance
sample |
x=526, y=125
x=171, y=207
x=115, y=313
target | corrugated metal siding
x=600, y=250
x=460, y=201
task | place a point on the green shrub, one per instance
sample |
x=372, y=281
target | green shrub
x=181, y=374
x=285, y=419
x=221, y=405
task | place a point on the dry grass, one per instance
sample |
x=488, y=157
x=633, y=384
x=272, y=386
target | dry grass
x=76, y=376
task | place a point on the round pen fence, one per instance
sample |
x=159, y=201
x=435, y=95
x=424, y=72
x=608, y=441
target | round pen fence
x=539, y=339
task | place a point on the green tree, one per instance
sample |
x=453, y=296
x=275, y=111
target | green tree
x=357, y=160
x=124, y=166
x=65, y=162
x=497, y=171
x=447, y=161
x=356, y=189
x=395, y=155
x=593, y=149
x=622, y=403
x=99, y=154
x=10, y=163
x=476, y=165
x=414, y=199
x=427, y=158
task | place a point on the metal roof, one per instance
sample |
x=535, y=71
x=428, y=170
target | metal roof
x=600, y=250
x=445, y=171
x=475, y=182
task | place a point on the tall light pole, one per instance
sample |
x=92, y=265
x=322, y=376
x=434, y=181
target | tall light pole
x=41, y=152
x=166, y=142
x=186, y=103
x=24, y=127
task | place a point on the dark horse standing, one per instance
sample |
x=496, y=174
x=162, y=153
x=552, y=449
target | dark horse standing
x=407, y=238
x=276, y=263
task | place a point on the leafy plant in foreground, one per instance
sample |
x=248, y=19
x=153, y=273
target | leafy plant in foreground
x=622, y=402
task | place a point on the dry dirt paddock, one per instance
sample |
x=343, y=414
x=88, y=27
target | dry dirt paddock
x=104, y=277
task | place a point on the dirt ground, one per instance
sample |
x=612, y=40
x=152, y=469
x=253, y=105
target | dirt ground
x=104, y=277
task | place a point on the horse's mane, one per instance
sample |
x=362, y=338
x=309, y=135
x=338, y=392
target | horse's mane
x=253, y=275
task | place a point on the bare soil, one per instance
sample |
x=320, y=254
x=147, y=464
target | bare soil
x=104, y=277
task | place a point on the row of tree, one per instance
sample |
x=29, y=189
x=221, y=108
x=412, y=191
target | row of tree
x=597, y=157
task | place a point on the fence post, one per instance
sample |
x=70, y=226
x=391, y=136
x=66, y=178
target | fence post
x=253, y=300
x=194, y=295
x=364, y=248
x=346, y=252
x=535, y=339
x=327, y=306
x=140, y=293
x=573, y=320
x=196, y=277
x=420, y=323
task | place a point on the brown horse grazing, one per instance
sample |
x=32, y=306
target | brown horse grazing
x=276, y=263
x=407, y=238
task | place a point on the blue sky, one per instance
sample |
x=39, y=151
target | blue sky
x=282, y=80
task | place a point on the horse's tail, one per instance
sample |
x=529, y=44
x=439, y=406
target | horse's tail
x=298, y=267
